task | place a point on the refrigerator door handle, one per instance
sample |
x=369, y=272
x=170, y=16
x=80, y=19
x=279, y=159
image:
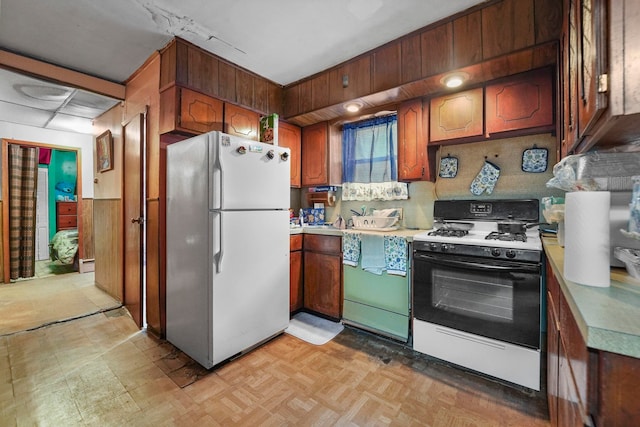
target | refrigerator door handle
x=220, y=169
x=217, y=232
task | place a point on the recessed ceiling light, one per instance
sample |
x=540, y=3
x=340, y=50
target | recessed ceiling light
x=353, y=106
x=455, y=79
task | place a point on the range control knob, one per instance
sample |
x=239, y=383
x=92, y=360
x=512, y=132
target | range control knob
x=270, y=154
x=511, y=253
x=241, y=149
x=284, y=156
x=433, y=246
x=445, y=248
x=495, y=252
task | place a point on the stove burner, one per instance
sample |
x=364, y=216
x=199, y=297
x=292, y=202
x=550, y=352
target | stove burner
x=509, y=237
x=449, y=232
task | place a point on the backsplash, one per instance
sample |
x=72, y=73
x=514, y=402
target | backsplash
x=510, y=157
x=512, y=182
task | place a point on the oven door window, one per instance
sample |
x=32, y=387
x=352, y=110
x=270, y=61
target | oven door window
x=491, y=298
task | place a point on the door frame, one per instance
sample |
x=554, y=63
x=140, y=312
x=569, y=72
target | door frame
x=6, y=261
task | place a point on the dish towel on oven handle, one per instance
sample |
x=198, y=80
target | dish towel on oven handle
x=395, y=252
x=350, y=248
x=372, y=248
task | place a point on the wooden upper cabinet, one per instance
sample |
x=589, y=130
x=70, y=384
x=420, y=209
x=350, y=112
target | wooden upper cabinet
x=592, y=63
x=520, y=102
x=186, y=111
x=458, y=115
x=321, y=155
x=412, y=141
x=290, y=136
x=315, y=154
x=241, y=122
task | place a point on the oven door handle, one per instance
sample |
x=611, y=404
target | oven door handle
x=476, y=265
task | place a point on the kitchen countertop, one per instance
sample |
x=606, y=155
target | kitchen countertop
x=608, y=318
x=332, y=231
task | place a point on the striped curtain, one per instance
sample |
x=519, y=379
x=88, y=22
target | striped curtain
x=23, y=176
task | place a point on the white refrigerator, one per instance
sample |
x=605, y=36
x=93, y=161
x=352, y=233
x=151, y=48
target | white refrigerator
x=227, y=245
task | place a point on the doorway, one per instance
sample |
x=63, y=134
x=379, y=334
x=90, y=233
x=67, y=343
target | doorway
x=67, y=224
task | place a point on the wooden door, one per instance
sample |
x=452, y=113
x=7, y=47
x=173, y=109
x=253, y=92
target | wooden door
x=133, y=215
x=412, y=141
x=459, y=115
x=315, y=154
x=290, y=136
x=524, y=101
x=592, y=64
x=241, y=122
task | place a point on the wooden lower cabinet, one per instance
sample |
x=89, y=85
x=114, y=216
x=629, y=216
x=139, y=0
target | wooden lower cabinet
x=322, y=266
x=585, y=386
x=295, y=273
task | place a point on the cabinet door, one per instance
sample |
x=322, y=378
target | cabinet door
x=569, y=411
x=568, y=78
x=187, y=111
x=315, y=154
x=592, y=64
x=520, y=102
x=290, y=136
x=241, y=122
x=459, y=115
x=295, y=281
x=323, y=283
x=553, y=340
x=412, y=141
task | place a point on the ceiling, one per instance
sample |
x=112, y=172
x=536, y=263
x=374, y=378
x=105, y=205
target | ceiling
x=281, y=40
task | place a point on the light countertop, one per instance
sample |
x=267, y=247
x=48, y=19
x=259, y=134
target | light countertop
x=608, y=318
x=332, y=231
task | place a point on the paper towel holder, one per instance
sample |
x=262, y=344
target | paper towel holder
x=328, y=198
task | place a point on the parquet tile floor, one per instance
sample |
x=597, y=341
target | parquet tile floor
x=100, y=370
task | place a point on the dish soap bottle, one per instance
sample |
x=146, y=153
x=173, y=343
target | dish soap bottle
x=301, y=216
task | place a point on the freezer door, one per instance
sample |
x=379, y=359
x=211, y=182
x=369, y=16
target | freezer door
x=250, y=279
x=248, y=174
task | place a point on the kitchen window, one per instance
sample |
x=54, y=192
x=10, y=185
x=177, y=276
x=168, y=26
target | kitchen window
x=370, y=160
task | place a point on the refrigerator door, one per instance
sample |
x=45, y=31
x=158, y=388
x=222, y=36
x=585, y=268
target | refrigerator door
x=250, y=279
x=188, y=264
x=248, y=174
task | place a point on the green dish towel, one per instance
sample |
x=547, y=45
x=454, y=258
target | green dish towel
x=372, y=253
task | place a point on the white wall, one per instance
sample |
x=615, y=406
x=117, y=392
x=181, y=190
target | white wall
x=55, y=137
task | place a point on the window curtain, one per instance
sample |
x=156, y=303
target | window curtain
x=369, y=160
x=23, y=177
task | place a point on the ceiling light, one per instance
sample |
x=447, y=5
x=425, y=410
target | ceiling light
x=454, y=80
x=353, y=106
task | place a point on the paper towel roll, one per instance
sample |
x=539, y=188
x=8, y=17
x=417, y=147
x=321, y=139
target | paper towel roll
x=586, y=245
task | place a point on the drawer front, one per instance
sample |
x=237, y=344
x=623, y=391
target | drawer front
x=67, y=208
x=320, y=243
x=295, y=242
x=67, y=221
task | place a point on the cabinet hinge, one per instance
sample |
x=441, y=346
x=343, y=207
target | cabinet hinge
x=603, y=83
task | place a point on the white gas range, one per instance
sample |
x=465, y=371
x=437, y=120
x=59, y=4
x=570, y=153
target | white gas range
x=477, y=293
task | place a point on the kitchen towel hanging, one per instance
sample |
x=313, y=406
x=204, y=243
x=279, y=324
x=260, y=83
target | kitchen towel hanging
x=486, y=179
x=587, y=238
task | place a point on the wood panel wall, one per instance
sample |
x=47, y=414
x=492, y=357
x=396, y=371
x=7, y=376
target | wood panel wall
x=108, y=246
x=87, y=229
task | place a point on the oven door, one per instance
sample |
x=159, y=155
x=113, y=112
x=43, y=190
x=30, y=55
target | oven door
x=492, y=298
